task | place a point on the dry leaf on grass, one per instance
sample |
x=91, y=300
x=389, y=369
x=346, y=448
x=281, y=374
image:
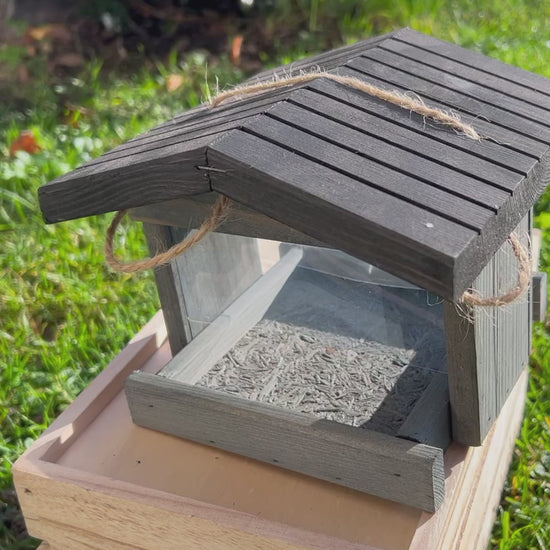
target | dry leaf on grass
x=27, y=142
x=58, y=32
x=236, y=48
x=173, y=82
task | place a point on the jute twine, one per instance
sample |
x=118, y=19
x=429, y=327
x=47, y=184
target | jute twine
x=219, y=212
x=472, y=298
x=221, y=207
x=396, y=98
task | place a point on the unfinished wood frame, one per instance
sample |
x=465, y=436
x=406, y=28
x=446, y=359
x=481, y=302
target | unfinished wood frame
x=91, y=453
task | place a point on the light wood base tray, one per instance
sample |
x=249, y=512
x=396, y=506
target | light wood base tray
x=95, y=481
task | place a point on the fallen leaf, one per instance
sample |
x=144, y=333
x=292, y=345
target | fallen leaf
x=25, y=142
x=236, y=47
x=55, y=31
x=173, y=82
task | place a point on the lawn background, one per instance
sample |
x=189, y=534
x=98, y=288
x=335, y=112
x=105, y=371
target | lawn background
x=64, y=315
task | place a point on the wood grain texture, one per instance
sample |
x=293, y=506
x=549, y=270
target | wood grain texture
x=487, y=65
x=475, y=477
x=367, y=461
x=428, y=82
x=385, y=124
x=334, y=208
x=114, y=517
x=229, y=325
x=389, y=78
x=124, y=502
x=170, y=403
x=381, y=165
x=213, y=274
x=325, y=202
x=209, y=121
x=208, y=504
x=191, y=212
x=394, y=54
x=502, y=86
x=494, y=153
x=540, y=295
x=485, y=357
x=169, y=287
x=168, y=173
x=189, y=286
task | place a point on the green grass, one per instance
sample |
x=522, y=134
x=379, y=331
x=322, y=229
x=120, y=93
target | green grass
x=64, y=315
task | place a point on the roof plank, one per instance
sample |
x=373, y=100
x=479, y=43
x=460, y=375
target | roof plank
x=205, y=118
x=151, y=142
x=493, y=152
x=418, y=180
x=525, y=116
x=161, y=175
x=476, y=113
x=418, y=143
x=482, y=62
x=467, y=72
x=334, y=208
x=381, y=64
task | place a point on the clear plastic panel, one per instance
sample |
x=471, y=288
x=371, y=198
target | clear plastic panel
x=342, y=340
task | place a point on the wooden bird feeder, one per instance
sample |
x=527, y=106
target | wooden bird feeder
x=317, y=329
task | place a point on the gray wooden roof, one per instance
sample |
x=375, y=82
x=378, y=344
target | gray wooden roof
x=360, y=174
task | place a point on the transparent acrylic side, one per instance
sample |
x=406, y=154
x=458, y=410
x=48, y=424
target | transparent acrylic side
x=342, y=339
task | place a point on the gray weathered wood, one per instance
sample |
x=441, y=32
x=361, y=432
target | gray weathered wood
x=191, y=212
x=430, y=420
x=160, y=238
x=208, y=122
x=487, y=65
x=468, y=73
x=363, y=460
x=476, y=90
x=391, y=79
x=228, y=327
x=396, y=171
x=428, y=81
x=443, y=148
x=495, y=153
x=486, y=357
x=197, y=286
x=213, y=274
x=335, y=208
x=125, y=183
